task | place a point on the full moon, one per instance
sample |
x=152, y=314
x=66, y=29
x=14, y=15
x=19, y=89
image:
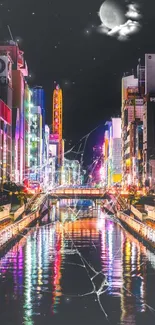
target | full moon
x=111, y=15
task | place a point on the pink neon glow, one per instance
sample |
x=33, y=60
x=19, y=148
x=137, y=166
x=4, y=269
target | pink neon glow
x=54, y=137
x=5, y=112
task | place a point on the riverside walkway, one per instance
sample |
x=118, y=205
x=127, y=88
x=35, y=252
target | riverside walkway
x=11, y=231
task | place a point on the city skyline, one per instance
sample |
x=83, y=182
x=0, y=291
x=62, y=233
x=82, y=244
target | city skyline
x=77, y=162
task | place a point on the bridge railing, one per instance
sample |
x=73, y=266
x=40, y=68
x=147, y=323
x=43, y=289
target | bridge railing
x=142, y=229
x=80, y=191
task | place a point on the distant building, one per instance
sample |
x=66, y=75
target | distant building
x=54, y=173
x=112, y=166
x=35, y=157
x=97, y=163
x=38, y=99
x=115, y=150
x=139, y=154
x=57, y=123
x=71, y=172
x=46, y=157
x=106, y=145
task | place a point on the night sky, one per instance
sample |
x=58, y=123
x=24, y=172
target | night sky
x=62, y=43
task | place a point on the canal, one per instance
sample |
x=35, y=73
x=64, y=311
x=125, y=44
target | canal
x=77, y=268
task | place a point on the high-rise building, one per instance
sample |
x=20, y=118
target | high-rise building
x=15, y=145
x=27, y=121
x=131, y=118
x=35, y=157
x=57, y=133
x=57, y=121
x=38, y=99
x=46, y=157
x=13, y=96
x=53, y=153
x=116, y=151
x=5, y=116
x=5, y=143
x=139, y=154
x=105, y=167
x=149, y=122
x=112, y=149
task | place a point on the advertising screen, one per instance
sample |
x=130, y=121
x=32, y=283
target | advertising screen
x=52, y=150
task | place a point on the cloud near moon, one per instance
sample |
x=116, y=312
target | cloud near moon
x=118, y=23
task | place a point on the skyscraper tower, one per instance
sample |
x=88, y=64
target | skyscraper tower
x=57, y=121
x=12, y=93
x=38, y=99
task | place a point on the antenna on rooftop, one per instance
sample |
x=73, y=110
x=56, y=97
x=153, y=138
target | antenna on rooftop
x=10, y=33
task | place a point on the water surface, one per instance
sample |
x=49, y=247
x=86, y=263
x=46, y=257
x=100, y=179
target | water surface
x=77, y=271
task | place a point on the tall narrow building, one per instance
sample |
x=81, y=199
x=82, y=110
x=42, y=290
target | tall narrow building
x=27, y=134
x=149, y=122
x=5, y=116
x=35, y=156
x=38, y=99
x=57, y=121
x=14, y=95
x=112, y=149
x=132, y=119
x=57, y=128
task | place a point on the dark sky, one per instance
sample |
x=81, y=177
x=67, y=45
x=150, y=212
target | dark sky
x=61, y=43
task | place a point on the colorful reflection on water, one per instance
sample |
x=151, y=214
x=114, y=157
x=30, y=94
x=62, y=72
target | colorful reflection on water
x=77, y=271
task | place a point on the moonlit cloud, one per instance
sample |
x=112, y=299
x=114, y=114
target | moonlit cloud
x=133, y=12
x=123, y=31
x=128, y=28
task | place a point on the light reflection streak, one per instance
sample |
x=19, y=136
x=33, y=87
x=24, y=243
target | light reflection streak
x=40, y=271
x=110, y=259
x=57, y=290
x=133, y=291
x=28, y=285
x=133, y=257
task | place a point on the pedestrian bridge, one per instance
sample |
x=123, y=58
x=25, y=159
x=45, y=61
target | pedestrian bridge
x=77, y=193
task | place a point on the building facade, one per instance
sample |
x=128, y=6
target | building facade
x=38, y=99
x=112, y=148
x=54, y=173
x=14, y=97
x=131, y=119
x=97, y=164
x=5, y=143
x=5, y=117
x=27, y=123
x=71, y=173
x=149, y=123
x=57, y=122
x=35, y=157
x=46, y=157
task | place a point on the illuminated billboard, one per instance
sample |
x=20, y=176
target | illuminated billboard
x=116, y=128
x=52, y=150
